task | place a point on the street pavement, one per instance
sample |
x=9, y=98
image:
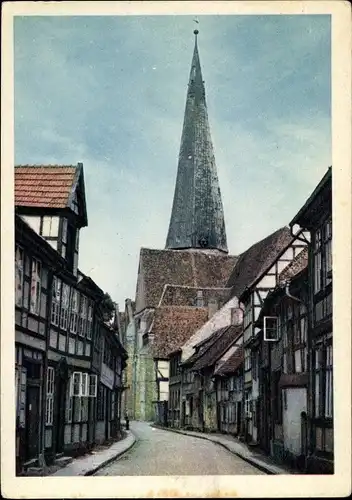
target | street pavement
x=158, y=453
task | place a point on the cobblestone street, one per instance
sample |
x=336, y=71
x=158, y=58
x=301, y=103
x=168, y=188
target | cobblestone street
x=158, y=452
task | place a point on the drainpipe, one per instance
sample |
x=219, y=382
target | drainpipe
x=42, y=399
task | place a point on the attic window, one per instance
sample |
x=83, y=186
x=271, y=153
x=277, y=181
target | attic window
x=199, y=299
x=271, y=328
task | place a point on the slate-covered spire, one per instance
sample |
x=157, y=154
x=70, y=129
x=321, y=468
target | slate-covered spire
x=197, y=218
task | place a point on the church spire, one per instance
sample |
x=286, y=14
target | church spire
x=197, y=218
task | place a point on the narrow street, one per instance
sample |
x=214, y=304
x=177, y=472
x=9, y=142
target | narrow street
x=158, y=452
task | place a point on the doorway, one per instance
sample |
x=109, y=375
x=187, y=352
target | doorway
x=32, y=421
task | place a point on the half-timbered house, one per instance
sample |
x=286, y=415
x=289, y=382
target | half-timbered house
x=266, y=260
x=316, y=218
x=283, y=366
x=228, y=375
x=57, y=315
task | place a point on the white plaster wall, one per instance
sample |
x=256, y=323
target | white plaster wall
x=296, y=403
x=33, y=221
x=220, y=319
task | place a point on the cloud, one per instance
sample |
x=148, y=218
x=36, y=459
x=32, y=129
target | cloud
x=110, y=92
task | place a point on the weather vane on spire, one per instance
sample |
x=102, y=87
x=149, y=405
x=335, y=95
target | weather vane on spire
x=196, y=31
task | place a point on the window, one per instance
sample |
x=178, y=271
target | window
x=247, y=359
x=19, y=276
x=50, y=226
x=82, y=324
x=90, y=321
x=74, y=312
x=49, y=413
x=55, y=303
x=84, y=384
x=35, y=286
x=323, y=256
x=75, y=385
x=328, y=383
x=64, y=306
x=271, y=330
x=200, y=300
x=69, y=406
x=323, y=381
x=92, y=390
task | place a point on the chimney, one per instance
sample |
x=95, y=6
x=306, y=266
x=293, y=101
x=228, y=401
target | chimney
x=213, y=306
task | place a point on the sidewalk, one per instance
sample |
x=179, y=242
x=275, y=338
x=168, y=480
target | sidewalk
x=233, y=445
x=88, y=465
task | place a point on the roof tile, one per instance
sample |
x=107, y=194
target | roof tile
x=173, y=325
x=46, y=186
x=192, y=268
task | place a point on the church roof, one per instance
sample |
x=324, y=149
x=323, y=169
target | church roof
x=255, y=261
x=193, y=268
x=172, y=326
x=180, y=295
x=197, y=218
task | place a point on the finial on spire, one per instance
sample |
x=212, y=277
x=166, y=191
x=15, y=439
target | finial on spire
x=196, y=31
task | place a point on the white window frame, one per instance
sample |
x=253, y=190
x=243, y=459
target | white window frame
x=267, y=329
x=82, y=324
x=74, y=312
x=90, y=321
x=69, y=406
x=50, y=381
x=55, y=301
x=19, y=277
x=52, y=224
x=65, y=303
x=34, y=306
x=83, y=384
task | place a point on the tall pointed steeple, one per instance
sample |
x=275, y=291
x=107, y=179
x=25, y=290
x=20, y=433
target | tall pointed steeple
x=197, y=218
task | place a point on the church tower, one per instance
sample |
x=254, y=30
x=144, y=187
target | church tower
x=197, y=218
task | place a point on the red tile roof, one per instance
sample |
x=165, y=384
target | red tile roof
x=173, y=325
x=47, y=186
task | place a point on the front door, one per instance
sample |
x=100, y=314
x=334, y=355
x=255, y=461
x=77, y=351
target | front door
x=32, y=421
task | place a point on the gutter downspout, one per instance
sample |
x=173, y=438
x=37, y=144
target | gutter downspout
x=309, y=366
x=42, y=400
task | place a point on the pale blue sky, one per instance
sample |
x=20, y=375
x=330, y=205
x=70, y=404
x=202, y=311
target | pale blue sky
x=110, y=92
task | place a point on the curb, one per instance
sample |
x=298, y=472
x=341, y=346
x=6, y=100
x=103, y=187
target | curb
x=111, y=459
x=251, y=461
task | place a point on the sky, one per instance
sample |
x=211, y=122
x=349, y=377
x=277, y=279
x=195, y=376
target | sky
x=110, y=91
